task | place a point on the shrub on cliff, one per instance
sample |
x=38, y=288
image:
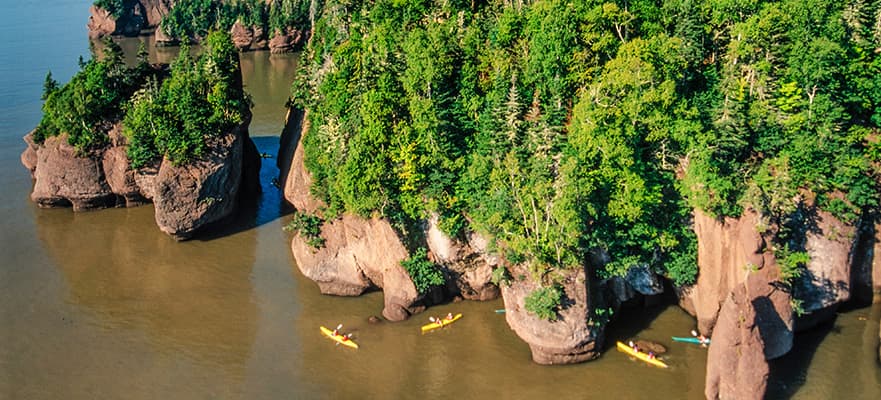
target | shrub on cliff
x=544, y=302
x=424, y=273
x=203, y=97
x=115, y=7
x=85, y=107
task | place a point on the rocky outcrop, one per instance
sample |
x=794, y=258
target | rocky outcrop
x=359, y=254
x=62, y=177
x=248, y=37
x=293, y=176
x=137, y=17
x=101, y=23
x=468, y=263
x=201, y=192
x=186, y=197
x=736, y=365
x=727, y=251
x=569, y=339
x=287, y=40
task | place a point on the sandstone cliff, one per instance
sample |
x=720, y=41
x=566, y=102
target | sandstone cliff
x=186, y=198
x=362, y=254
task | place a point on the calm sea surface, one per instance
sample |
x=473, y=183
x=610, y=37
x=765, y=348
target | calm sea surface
x=102, y=305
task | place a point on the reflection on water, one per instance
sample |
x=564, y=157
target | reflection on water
x=192, y=297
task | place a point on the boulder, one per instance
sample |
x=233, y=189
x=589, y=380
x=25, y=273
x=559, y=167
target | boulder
x=467, y=262
x=64, y=177
x=728, y=250
x=567, y=340
x=204, y=191
x=736, y=365
x=359, y=254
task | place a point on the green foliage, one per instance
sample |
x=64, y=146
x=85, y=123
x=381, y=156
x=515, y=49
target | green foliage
x=500, y=276
x=544, y=302
x=202, y=98
x=308, y=226
x=86, y=107
x=193, y=19
x=114, y=7
x=560, y=128
x=792, y=263
x=424, y=273
x=601, y=316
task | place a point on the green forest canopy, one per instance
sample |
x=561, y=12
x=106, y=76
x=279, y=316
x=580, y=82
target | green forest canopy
x=170, y=117
x=563, y=127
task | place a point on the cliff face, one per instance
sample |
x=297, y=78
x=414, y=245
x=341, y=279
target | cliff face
x=140, y=16
x=727, y=250
x=187, y=198
x=362, y=254
x=468, y=264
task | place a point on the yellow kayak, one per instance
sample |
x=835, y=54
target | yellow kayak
x=339, y=338
x=640, y=355
x=440, y=323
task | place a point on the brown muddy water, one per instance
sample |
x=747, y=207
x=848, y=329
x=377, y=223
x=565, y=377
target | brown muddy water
x=102, y=305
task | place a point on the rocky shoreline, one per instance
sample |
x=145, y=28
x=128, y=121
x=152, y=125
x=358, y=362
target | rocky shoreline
x=739, y=297
x=746, y=310
x=143, y=17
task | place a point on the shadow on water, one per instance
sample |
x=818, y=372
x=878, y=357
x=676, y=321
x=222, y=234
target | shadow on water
x=634, y=321
x=260, y=209
x=789, y=373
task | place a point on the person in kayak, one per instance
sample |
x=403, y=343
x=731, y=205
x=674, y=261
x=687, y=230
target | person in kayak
x=704, y=341
x=449, y=316
x=336, y=330
x=633, y=346
x=651, y=355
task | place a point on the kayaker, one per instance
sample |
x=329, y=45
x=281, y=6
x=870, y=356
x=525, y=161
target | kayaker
x=651, y=355
x=701, y=338
x=633, y=346
x=449, y=316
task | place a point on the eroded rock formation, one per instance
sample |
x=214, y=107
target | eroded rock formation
x=138, y=16
x=248, y=37
x=736, y=365
x=186, y=197
x=727, y=251
x=569, y=339
x=359, y=254
x=468, y=263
